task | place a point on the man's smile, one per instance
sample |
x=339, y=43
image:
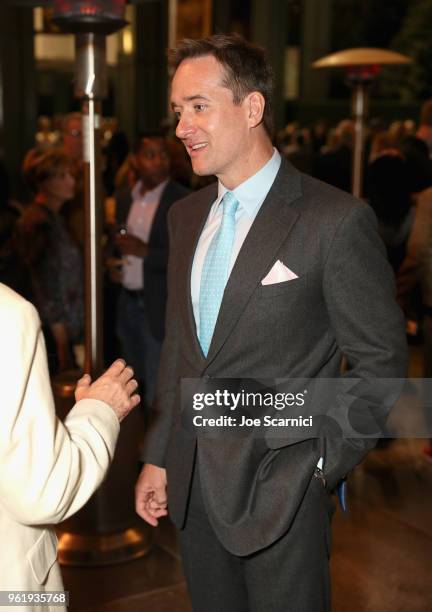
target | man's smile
x=196, y=148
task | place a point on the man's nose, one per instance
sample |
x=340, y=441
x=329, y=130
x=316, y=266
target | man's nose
x=184, y=127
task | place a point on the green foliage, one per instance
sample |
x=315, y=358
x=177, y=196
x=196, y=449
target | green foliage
x=366, y=23
x=369, y=23
x=414, y=40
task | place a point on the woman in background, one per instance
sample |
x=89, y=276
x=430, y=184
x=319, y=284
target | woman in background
x=53, y=259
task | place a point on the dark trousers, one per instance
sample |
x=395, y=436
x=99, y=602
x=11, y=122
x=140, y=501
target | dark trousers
x=291, y=575
x=139, y=347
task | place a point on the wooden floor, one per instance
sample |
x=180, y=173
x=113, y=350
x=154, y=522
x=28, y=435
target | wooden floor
x=382, y=548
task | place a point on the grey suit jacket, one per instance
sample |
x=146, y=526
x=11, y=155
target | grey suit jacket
x=342, y=303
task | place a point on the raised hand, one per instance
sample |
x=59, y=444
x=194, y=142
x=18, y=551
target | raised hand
x=115, y=387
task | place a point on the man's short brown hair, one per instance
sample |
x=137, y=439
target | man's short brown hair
x=246, y=67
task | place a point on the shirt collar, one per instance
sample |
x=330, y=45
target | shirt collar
x=252, y=192
x=149, y=194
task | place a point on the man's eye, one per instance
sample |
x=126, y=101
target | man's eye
x=199, y=107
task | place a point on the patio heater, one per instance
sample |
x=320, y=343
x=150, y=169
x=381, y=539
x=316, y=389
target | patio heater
x=91, y=21
x=105, y=530
x=362, y=65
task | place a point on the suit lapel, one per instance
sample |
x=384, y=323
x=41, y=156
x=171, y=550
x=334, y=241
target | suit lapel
x=194, y=224
x=123, y=205
x=270, y=229
x=160, y=212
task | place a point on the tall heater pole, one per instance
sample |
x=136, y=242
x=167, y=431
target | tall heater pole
x=91, y=87
x=91, y=21
x=106, y=529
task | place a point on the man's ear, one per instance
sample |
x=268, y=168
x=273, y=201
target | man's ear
x=256, y=105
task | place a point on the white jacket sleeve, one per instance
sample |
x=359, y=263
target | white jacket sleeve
x=48, y=470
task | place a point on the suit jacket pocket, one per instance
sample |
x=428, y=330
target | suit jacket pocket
x=42, y=555
x=283, y=288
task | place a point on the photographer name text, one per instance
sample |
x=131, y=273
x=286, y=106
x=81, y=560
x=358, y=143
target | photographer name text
x=244, y=421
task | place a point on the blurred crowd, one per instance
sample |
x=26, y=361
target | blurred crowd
x=41, y=240
x=397, y=185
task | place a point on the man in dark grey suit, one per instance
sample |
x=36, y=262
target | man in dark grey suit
x=306, y=282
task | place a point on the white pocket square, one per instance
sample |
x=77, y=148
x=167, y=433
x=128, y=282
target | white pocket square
x=278, y=274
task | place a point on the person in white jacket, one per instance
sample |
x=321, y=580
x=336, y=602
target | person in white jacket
x=48, y=469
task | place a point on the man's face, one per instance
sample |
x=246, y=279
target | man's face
x=214, y=130
x=152, y=162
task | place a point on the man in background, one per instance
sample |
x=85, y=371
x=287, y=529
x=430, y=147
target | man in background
x=142, y=240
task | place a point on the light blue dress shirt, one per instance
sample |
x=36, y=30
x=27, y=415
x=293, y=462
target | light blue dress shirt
x=250, y=195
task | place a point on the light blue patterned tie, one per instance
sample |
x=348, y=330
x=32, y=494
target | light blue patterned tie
x=215, y=271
